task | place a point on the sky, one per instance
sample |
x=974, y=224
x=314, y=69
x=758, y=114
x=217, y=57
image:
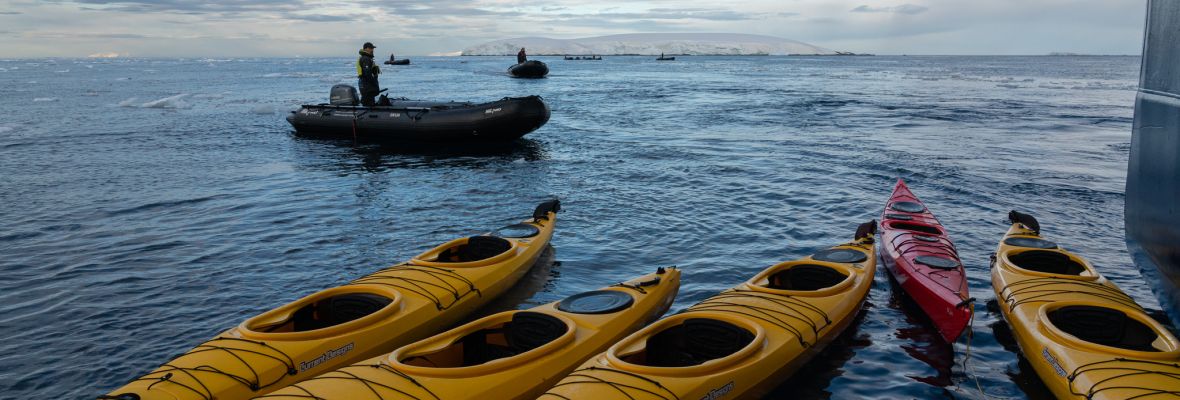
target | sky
x=283, y=28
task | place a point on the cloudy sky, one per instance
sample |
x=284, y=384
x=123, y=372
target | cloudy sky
x=70, y=28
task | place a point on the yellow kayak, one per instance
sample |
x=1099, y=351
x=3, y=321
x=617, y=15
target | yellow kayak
x=1085, y=338
x=510, y=355
x=342, y=325
x=741, y=343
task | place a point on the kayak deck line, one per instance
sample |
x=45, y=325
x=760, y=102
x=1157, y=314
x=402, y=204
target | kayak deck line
x=934, y=247
x=791, y=309
x=440, y=275
x=622, y=388
x=254, y=382
x=1042, y=285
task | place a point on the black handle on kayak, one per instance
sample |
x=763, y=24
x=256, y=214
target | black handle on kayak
x=866, y=229
x=1024, y=219
x=542, y=211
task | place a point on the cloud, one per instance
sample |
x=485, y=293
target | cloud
x=328, y=28
x=193, y=6
x=908, y=9
x=85, y=35
x=667, y=14
x=330, y=18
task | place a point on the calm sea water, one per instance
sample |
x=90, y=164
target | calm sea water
x=146, y=205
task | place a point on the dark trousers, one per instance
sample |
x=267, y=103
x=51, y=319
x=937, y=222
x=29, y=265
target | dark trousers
x=369, y=95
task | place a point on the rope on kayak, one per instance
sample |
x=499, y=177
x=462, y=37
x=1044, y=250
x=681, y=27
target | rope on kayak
x=784, y=308
x=1130, y=372
x=639, y=287
x=1038, y=291
x=401, y=276
x=967, y=355
x=346, y=374
x=253, y=382
x=622, y=388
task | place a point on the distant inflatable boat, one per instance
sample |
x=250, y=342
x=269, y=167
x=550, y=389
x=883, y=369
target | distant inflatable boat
x=666, y=58
x=417, y=121
x=404, y=61
x=529, y=69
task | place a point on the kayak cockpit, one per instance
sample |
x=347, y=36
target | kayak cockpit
x=1054, y=263
x=803, y=278
x=688, y=344
x=1110, y=328
x=475, y=251
x=693, y=342
x=487, y=345
x=914, y=227
x=325, y=313
x=524, y=332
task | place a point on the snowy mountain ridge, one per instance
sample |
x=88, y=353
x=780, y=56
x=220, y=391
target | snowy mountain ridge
x=650, y=44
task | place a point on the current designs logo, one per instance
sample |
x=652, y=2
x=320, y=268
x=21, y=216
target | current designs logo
x=1053, y=362
x=328, y=355
x=719, y=392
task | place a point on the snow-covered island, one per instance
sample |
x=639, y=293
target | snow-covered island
x=729, y=44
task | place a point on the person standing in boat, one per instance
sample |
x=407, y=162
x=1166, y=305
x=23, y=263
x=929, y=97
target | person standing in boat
x=521, y=57
x=366, y=75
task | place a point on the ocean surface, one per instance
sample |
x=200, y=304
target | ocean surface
x=148, y=204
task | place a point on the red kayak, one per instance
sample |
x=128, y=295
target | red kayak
x=922, y=259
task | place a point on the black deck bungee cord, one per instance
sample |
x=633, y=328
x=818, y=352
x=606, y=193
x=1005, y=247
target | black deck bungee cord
x=787, y=307
x=1039, y=286
x=372, y=385
x=254, y=384
x=939, y=248
x=1095, y=366
x=639, y=287
x=422, y=287
x=617, y=386
x=441, y=279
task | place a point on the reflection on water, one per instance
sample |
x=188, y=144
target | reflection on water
x=811, y=381
x=376, y=158
x=1024, y=376
x=921, y=340
x=540, y=277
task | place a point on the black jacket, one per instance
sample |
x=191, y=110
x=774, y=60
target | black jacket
x=367, y=71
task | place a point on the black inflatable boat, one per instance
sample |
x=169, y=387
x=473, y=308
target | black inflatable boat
x=529, y=69
x=416, y=121
x=404, y=61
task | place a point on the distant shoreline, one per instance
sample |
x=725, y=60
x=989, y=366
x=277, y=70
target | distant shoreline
x=669, y=55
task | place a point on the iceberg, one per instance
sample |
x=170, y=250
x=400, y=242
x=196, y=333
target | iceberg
x=730, y=44
x=176, y=101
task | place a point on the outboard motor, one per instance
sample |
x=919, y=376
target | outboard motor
x=344, y=95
